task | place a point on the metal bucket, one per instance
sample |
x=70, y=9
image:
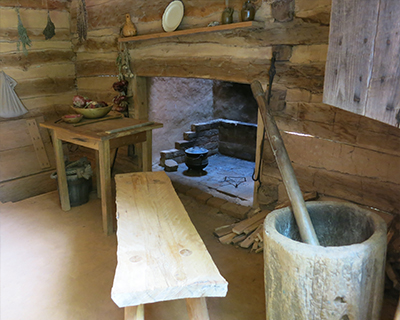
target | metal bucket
x=343, y=279
x=79, y=181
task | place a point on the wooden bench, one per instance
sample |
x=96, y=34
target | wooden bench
x=160, y=254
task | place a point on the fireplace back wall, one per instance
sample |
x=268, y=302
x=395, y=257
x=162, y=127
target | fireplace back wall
x=180, y=102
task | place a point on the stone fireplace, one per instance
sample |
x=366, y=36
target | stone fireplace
x=217, y=115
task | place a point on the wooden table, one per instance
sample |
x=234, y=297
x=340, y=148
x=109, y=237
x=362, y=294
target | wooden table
x=101, y=136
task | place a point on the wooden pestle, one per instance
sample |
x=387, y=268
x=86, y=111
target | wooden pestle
x=301, y=215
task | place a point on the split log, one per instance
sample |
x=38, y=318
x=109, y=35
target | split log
x=241, y=226
x=250, y=239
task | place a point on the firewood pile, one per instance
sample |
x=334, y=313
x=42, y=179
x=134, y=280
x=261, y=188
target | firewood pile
x=248, y=233
x=393, y=255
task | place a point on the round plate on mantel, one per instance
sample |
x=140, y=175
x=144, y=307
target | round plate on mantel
x=173, y=16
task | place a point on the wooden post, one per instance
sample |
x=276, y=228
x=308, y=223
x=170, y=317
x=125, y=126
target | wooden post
x=141, y=112
x=147, y=157
x=61, y=174
x=197, y=309
x=134, y=313
x=105, y=183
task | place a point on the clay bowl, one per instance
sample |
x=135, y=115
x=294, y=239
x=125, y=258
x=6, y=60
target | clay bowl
x=93, y=113
x=72, y=118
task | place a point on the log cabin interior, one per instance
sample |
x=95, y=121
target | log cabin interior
x=335, y=98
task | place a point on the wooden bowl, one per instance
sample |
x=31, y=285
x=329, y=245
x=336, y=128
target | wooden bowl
x=72, y=118
x=93, y=113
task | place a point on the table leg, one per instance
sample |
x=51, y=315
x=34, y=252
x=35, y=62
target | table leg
x=147, y=149
x=61, y=175
x=98, y=185
x=105, y=187
x=197, y=309
x=134, y=313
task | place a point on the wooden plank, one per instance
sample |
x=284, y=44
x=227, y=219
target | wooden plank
x=363, y=69
x=223, y=230
x=38, y=143
x=228, y=238
x=16, y=129
x=11, y=47
x=47, y=70
x=241, y=226
x=26, y=187
x=252, y=227
x=251, y=238
x=19, y=60
x=239, y=238
x=383, y=101
x=157, y=241
x=21, y=162
x=197, y=309
x=223, y=27
x=343, y=158
x=45, y=86
x=351, y=45
x=338, y=125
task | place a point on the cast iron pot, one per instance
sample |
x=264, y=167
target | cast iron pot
x=196, y=158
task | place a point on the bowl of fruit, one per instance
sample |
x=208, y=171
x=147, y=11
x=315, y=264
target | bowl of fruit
x=89, y=108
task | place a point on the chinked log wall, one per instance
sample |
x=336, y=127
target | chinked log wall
x=344, y=155
x=46, y=83
x=337, y=153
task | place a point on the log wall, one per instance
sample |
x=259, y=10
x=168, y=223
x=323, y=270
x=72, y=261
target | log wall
x=334, y=152
x=46, y=84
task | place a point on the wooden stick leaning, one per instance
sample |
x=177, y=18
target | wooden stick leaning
x=302, y=217
x=98, y=120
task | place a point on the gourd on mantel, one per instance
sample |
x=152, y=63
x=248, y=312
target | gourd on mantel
x=363, y=67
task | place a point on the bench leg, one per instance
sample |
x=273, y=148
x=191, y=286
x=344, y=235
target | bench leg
x=197, y=309
x=134, y=313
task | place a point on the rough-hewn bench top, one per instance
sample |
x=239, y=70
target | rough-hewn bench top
x=160, y=254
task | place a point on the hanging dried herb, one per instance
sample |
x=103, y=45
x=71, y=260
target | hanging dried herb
x=82, y=21
x=123, y=64
x=49, y=31
x=23, y=36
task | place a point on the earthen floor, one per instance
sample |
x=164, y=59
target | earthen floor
x=59, y=265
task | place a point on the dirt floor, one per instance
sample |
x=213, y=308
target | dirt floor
x=59, y=265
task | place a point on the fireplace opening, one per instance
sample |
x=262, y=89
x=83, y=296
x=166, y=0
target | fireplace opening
x=215, y=115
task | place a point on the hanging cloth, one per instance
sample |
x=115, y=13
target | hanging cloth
x=10, y=105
